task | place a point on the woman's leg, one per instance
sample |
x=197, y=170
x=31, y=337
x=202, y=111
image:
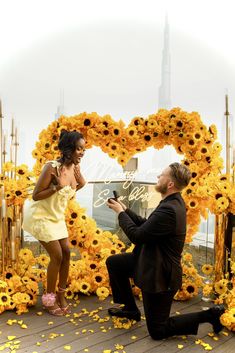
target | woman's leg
x=54, y=251
x=63, y=273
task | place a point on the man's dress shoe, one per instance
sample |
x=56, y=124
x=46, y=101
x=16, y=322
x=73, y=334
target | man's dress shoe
x=216, y=312
x=129, y=314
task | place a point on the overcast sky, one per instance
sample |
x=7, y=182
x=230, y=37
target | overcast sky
x=106, y=57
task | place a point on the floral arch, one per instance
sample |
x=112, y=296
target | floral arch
x=209, y=188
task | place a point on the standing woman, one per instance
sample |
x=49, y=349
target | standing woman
x=45, y=218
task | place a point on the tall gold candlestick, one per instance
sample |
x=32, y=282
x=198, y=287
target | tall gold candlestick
x=4, y=152
x=13, y=242
x=228, y=166
x=1, y=117
x=16, y=147
x=12, y=128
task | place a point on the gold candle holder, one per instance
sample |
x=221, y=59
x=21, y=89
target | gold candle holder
x=220, y=254
x=228, y=147
x=10, y=216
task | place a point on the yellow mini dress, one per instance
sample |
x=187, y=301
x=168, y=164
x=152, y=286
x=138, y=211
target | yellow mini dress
x=45, y=219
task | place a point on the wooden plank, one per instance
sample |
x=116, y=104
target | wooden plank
x=91, y=335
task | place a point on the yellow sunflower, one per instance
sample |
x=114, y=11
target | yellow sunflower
x=5, y=299
x=43, y=260
x=102, y=292
x=207, y=269
x=221, y=286
x=85, y=287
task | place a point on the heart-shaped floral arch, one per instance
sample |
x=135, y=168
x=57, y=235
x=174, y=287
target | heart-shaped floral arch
x=209, y=189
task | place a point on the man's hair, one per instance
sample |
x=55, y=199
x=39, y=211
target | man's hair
x=180, y=175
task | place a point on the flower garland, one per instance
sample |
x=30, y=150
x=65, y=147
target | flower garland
x=191, y=280
x=222, y=291
x=16, y=190
x=208, y=189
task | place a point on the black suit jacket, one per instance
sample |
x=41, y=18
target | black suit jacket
x=159, y=243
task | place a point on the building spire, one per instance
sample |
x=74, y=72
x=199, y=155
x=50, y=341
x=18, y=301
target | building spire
x=60, y=107
x=164, y=99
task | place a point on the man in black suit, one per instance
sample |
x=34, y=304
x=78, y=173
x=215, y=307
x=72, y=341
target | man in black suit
x=155, y=263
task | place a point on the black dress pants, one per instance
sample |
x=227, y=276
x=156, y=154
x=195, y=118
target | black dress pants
x=157, y=306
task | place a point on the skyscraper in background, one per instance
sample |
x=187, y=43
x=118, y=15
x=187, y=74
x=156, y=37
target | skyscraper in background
x=60, y=107
x=165, y=156
x=164, y=95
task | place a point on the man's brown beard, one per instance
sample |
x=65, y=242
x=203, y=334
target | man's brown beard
x=161, y=188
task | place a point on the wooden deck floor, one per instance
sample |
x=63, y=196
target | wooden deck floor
x=47, y=333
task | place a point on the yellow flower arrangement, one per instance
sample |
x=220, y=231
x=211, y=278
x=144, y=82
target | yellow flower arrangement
x=191, y=280
x=16, y=190
x=184, y=131
x=208, y=189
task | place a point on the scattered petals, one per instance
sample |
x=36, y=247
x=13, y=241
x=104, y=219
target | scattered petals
x=224, y=333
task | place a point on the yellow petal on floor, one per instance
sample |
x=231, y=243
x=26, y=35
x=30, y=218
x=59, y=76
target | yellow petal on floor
x=50, y=323
x=62, y=334
x=39, y=313
x=38, y=344
x=119, y=346
x=16, y=346
x=107, y=351
x=184, y=337
x=20, y=322
x=198, y=341
x=76, y=315
x=16, y=342
x=133, y=337
x=177, y=313
x=180, y=346
x=24, y=326
x=67, y=348
x=216, y=338
x=225, y=333
x=104, y=330
x=211, y=334
x=11, y=338
x=86, y=350
x=84, y=330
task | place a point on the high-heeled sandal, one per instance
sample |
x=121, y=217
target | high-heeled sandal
x=66, y=309
x=48, y=300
